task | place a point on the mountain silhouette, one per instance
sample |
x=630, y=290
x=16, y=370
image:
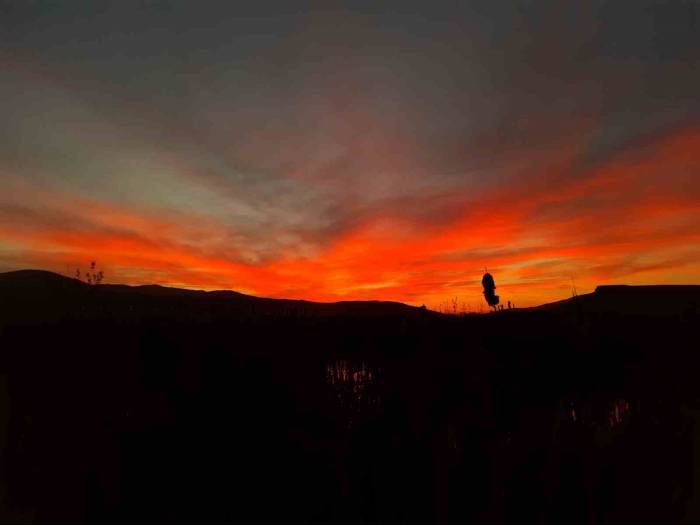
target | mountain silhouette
x=648, y=300
x=164, y=405
x=41, y=292
x=51, y=294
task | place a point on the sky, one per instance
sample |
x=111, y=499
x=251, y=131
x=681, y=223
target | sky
x=326, y=151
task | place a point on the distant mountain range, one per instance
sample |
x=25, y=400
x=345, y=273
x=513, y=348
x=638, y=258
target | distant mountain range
x=49, y=295
x=654, y=300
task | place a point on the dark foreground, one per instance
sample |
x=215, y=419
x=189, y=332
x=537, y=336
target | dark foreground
x=123, y=405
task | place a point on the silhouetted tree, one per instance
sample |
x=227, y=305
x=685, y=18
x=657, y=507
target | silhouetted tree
x=489, y=290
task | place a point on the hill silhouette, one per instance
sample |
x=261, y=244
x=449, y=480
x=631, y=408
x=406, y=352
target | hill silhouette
x=47, y=293
x=122, y=404
x=648, y=300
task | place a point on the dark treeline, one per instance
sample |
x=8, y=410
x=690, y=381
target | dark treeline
x=135, y=407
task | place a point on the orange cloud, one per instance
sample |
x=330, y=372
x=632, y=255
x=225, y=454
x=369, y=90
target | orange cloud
x=632, y=219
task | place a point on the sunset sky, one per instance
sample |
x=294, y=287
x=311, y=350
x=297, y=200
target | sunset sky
x=331, y=153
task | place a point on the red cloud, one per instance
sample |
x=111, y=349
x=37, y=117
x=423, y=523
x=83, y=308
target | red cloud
x=633, y=219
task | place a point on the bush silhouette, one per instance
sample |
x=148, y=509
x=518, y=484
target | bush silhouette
x=92, y=276
x=489, y=290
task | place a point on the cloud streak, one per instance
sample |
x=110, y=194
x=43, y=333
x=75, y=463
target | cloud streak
x=616, y=224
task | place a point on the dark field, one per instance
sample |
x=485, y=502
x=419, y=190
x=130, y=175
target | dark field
x=149, y=405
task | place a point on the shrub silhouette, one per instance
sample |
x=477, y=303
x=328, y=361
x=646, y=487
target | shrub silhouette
x=489, y=290
x=92, y=276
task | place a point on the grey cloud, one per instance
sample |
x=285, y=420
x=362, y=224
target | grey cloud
x=290, y=126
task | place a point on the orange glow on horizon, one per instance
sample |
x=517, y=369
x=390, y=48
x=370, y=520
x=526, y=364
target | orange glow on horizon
x=633, y=220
